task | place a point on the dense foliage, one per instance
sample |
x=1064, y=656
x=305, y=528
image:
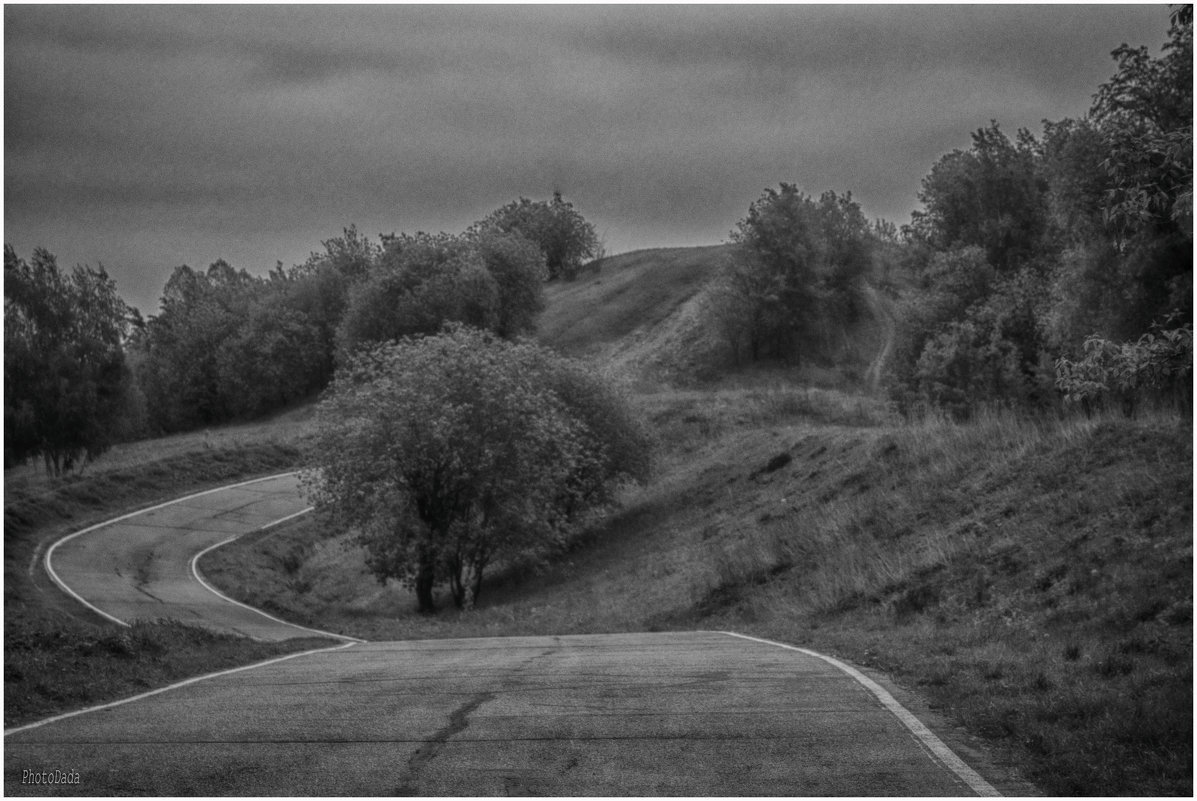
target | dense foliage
x=65, y=380
x=796, y=269
x=491, y=281
x=563, y=235
x=228, y=345
x=450, y=452
x=1159, y=364
x=1029, y=251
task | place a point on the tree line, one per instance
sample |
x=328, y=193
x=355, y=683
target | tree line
x=84, y=370
x=1035, y=255
x=1039, y=268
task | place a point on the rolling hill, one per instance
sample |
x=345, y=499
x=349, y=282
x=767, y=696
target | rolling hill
x=642, y=316
x=1030, y=579
x=638, y=314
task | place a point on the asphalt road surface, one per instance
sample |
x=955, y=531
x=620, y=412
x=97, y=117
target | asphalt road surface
x=141, y=566
x=698, y=713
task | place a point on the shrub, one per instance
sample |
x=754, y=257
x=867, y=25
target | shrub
x=1158, y=364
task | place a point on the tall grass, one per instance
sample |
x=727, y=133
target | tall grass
x=846, y=543
x=1033, y=575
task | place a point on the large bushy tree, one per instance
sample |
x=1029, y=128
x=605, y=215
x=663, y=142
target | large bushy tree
x=518, y=268
x=318, y=290
x=65, y=380
x=1145, y=111
x=449, y=452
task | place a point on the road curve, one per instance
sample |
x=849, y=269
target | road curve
x=700, y=713
x=697, y=713
x=141, y=566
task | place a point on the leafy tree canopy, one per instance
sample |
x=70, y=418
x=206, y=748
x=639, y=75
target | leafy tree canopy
x=64, y=367
x=1145, y=111
x=798, y=266
x=450, y=452
x=989, y=196
x=563, y=235
x=487, y=279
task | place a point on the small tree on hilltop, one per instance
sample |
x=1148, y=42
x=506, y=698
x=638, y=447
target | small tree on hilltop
x=798, y=266
x=563, y=235
x=450, y=452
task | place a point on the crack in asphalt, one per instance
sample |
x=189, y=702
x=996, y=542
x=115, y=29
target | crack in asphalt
x=458, y=722
x=141, y=589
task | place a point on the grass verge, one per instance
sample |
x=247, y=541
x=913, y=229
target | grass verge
x=58, y=656
x=51, y=668
x=1032, y=580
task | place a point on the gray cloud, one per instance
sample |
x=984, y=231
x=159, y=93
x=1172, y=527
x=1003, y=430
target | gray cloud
x=148, y=136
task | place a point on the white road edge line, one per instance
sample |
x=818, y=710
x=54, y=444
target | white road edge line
x=50, y=551
x=924, y=735
x=196, y=573
x=175, y=686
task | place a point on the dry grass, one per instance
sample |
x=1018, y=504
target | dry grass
x=642, y=316
x=631, y=292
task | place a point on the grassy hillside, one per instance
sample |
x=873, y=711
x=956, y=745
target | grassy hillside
x=644, y=316
x=1033, y=580
x=639, y=315
x=630, y=292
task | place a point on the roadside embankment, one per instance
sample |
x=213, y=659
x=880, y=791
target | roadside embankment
x=1031, y=579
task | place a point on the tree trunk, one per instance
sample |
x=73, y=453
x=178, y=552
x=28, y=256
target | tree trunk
x=477, y=584
x=457, y=583
x=424, y=581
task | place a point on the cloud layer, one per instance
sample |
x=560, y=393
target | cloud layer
x=145, y=137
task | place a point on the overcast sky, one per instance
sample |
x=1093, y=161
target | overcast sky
x=144, y=137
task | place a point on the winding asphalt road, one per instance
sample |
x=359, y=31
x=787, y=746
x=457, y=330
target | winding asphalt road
x=692, y=713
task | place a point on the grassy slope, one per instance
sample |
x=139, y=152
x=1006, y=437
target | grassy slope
x=643, y=316
x=636, y=290
x=638, y=314
x=1033, y=581
x=58, y=656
